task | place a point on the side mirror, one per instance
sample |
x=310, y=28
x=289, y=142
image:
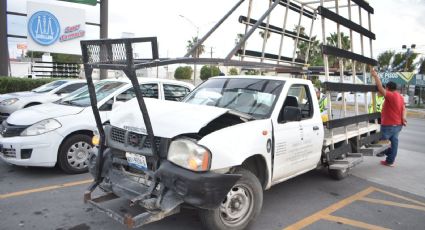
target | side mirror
x=291, y=113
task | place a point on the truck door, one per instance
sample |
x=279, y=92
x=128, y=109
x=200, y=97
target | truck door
x=295, y=142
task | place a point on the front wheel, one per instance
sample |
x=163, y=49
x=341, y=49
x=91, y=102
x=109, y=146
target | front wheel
x=241, y=205
x=74, y=154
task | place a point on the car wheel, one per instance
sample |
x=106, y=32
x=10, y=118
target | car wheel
x=241, y=205
x=74, y=154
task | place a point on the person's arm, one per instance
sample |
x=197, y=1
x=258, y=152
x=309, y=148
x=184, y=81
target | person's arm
x=378, y=82
x=404, y=121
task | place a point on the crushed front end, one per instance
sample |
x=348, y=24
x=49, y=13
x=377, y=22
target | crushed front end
x=129, y=172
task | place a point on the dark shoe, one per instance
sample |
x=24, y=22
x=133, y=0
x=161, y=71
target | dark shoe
x=387, y=164
x=381, y=154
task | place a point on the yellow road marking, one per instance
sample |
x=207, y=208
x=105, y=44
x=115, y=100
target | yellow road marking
x=354, y=223
x=43, y=189
x=401, y=197
x=334, y=207
x=391, y=203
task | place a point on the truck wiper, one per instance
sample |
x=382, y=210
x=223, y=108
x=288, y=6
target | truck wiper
x=242, y=115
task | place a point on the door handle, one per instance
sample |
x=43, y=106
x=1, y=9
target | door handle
x=315, y=128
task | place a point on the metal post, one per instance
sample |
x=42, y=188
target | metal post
x=4, y=48
x=298, y=34
x=283, y=30
x=246, y=29
x=266, y=35
x=341, y=70
x=364, y=69
x=353, y=70
x=310, y=40
x=326, y=63
x=103, y=30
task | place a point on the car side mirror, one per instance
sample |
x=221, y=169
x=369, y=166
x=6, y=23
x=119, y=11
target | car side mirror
x=291, y=113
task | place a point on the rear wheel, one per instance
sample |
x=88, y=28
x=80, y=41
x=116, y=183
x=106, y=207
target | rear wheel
x=240, y=206
x=74, y=154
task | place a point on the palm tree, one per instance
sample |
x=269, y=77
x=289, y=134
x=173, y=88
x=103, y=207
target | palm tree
x=191, y=43
x=315, y=54
x=263, y=34
x=332, y=40
x=385, y=58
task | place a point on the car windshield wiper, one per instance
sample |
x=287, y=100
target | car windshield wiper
x=70, y=103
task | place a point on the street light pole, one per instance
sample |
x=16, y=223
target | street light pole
x=196, y=54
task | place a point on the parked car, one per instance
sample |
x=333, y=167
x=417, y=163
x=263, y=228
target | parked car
x=49, y=92
x=61, y=132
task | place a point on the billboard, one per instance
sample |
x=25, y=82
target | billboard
x=55, y=29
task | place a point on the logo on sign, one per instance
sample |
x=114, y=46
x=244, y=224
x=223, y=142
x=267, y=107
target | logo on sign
x=44, y=28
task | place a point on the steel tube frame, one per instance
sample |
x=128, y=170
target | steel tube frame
x=298, y=33
x=251, y=31
x=283, y=28
x=309, y=42
x=213, y=29
x=246, y=28
x=266, y=34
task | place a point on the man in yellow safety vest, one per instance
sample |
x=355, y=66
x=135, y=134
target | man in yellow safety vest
x=323, y=104
x=379, y=104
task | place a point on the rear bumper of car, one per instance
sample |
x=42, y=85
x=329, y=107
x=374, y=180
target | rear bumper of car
x=40, y=150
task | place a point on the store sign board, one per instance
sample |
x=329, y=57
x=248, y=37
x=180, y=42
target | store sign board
x=55, y=29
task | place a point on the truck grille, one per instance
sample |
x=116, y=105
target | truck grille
x=133, y=139
x=8, y=130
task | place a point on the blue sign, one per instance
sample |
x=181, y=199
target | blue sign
x=44, y=28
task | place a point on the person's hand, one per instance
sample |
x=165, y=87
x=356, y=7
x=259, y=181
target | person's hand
x=373, y=71
x=404, y=122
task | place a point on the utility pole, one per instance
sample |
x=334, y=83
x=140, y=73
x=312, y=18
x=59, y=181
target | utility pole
x=103, y=30
x=4, y=48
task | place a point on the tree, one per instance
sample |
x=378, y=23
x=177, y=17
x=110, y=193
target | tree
x=233, y=71
x=191, y=43
x=404, y=62
x=252, y=72
x=183, y=73
x=315, y=57
x=208, y=71
x=385, y=58
x=263, y=34
x=332, y=40
x=34, y=54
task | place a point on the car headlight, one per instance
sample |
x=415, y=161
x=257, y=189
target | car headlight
x=188, y=154
x=41, y=127
x=9, y=101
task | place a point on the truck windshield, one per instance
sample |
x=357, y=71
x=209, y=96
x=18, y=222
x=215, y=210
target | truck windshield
x=48, y=87
x=82, y=97
x=255, y=97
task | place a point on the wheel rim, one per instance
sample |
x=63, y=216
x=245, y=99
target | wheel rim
x=78, y=155
x=237, y=206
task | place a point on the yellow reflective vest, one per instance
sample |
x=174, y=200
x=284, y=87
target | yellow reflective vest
x=379, y=104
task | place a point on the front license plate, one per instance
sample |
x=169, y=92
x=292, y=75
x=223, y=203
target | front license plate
x=136, y=160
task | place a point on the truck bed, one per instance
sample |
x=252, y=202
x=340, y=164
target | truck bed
x=352, y=131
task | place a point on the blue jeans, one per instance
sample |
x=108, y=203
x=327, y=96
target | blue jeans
x=391, y=133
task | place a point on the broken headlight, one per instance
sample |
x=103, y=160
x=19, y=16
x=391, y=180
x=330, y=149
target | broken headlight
x=188, y=154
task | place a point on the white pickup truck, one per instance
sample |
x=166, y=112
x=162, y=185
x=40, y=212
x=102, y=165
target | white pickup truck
x=232, y=138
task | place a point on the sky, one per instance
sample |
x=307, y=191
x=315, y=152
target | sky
x=395, y=23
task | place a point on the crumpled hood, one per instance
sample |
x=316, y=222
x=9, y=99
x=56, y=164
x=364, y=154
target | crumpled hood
x=168, y=118
x=33, y=114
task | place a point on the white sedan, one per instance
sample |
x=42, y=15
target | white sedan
x=49, y=92
x=61, y=132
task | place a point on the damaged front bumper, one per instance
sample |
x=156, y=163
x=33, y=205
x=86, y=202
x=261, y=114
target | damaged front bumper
x=160, y=193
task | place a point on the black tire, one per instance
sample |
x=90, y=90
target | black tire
x=250, y=188
x=74, y=154
x=338, y=174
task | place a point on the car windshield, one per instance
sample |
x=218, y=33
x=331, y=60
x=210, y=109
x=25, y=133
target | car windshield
x=255, y=97
x=49, y=86
x=81, y=97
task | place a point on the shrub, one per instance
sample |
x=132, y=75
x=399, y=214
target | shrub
x=183, y=73
x=209, y=71
x=14, y=84
x=233, y=71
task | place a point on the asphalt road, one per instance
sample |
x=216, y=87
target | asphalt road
x=373, y=197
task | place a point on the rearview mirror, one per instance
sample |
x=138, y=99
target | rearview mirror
x=291, y=113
